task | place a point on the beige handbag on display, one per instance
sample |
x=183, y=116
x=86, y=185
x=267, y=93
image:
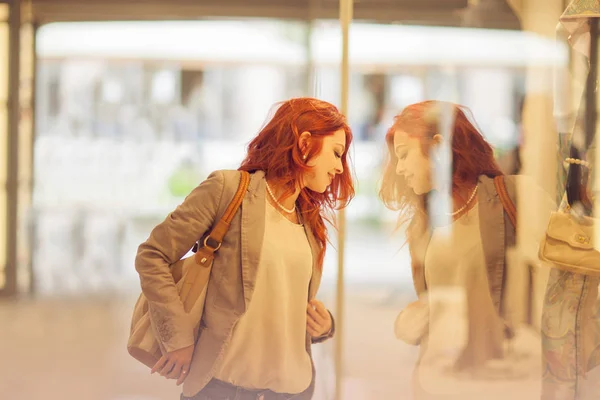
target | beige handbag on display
x=191, y=278
x=569, y=244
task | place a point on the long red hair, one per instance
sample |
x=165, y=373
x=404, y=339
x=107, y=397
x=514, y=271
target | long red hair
x=472, y=157
x=276, y=152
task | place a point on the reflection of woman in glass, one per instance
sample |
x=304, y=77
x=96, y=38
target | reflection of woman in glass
x=260, y=315
x=458, y=234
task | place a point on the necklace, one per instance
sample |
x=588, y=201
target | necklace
x=287, y=210
x=466, y=204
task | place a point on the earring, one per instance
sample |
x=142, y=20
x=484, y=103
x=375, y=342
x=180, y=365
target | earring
x=304, y=157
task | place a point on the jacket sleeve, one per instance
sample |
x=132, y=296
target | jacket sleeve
x=169, y=242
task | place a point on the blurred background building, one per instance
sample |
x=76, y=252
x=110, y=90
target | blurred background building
x=112, y=111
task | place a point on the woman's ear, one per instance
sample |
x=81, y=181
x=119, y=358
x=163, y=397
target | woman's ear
x=437, y=139
x=304, y=143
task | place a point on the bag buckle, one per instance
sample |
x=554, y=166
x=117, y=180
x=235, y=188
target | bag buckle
x=582, y=239
x=213, y=246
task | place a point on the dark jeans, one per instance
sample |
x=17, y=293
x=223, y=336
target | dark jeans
x=219, y=390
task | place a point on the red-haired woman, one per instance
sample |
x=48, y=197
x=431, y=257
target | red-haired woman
x=458, y=233
x=260, y=315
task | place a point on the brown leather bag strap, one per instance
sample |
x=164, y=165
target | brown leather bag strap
x=238, y=198
x=214, y=239
x=507, y=203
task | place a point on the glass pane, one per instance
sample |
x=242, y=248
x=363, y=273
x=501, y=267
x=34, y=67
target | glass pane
x=384, y=80
x=129, y=118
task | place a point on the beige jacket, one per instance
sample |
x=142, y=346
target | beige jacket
x=510, y=296
x=232, y=279
x=497, y=234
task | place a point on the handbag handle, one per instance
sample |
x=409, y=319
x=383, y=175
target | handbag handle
x=578, y=175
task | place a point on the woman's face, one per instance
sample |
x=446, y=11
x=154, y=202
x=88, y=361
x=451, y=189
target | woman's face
x=413, y=165
x=327, y=164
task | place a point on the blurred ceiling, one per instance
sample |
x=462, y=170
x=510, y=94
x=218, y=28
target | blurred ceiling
x=422, y=12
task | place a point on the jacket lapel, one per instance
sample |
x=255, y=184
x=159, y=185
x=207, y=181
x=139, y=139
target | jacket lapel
x=253, y=230
x=491, y=226
x=492, y=230
x=315, y=280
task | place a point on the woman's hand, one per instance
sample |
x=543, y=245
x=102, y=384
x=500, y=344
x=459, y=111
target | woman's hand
x=175, y=364
x=413, y=322
x=318, y=319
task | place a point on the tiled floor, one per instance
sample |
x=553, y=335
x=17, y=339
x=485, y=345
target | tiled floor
x=67, y=349
x=74, y=348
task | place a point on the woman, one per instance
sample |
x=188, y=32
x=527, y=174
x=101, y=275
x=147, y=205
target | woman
x=458, y=236
x=260, y=315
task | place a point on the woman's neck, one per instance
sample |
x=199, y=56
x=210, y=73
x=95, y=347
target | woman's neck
x=278, y=191
x=462, y=195
x=435, y=201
